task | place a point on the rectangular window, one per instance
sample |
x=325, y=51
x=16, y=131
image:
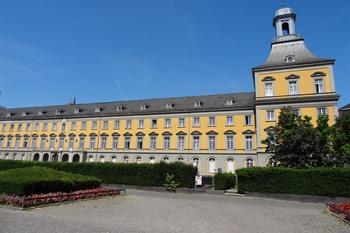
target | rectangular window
x=293, y=87
x=248, y=120
x=115, y=143
x=229, y=120
x=295, y=111
x=4, y=127
x=28, y=127
x=25, y=142
x=92, y=142
x=154, y=123
x=181, y=143
x=268, y=89
x=321, y=111
x=45, y=126
x=103, y=142
x=166, y=143
x=139, y=143
x=20, y=127
x=54, y=126
x=105, y=124
x=212, y=143
x=211, y=121
x=12, y=127
x=9, y=142
x=127, y=143
x=17, y=142
x=167, y=123
x=128, y=124
x=270, y=115
x=249, y=142
x=36, y=126
x=196, y=121
x=94, y=125
x=116, y=124
x=153, y=143
x=61, y=143
x=81, y=142
x=181, y=122
x=73, y=125
x=195, y=142
x=83, y=125
x=42, y=143
x=34, y=140
x=319, y=85
x=71, y=143
x=52, y=143
x=141, y=124
x=1, y=142
x=229, y=142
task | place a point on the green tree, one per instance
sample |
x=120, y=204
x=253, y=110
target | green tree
x=341, y=142
x=295, y=143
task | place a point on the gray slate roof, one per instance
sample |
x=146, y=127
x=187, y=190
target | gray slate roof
x=241, y=101
x=290, y=45
x=345, y=108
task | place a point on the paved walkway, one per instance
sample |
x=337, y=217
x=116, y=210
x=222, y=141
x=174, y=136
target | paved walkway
x=142, y=211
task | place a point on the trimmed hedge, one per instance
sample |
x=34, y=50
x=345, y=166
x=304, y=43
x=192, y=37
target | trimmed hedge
x=119, y=173
x=37, y=180
x=333, y=182
x=224, y=181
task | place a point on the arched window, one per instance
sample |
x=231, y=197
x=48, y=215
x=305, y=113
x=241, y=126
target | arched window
x=24, y=157
x=180, y=159
x=36, y=157
x=125, y=159
x=138, y=159
x=14, y=156
x=76, y=158
x=152, y=160
x=212, y=166
x=285, y=28
x=250, y=162
x=102, y=159
x=46, y=157
x=230, y=165
x=65, y=158
x=91, y=159
x=166, y=159
x=114, y=159
x=195, y=162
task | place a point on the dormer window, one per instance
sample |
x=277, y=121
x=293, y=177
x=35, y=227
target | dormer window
x=229, y=102
x=197, y=104
x=97, y=109
x=290, y=59
x=9, y=114
x=169, y=105
x=40, y=113
x=77, y=110
x=143, y=107
x=24, y=114
x=120, y=108
x=58, y=112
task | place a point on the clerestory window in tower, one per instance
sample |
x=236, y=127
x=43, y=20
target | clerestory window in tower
x=285, y=28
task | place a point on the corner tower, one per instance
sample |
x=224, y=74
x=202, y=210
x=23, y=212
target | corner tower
x=291, y=76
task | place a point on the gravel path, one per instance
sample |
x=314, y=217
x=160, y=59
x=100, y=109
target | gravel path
x=141, y=211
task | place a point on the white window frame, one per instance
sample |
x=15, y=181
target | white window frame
x=268, y=91
x=293, y=89
x=270, y=115
x=319, y=85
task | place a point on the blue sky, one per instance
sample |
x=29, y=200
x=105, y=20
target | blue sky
x=111, y=50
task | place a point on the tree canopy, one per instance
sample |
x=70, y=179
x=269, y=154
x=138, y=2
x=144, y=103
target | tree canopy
x=295, y=142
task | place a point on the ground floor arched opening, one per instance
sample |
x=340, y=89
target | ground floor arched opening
x=76, y=158
x=65, y=158
x=36, y=157
x=46, y=157
x=55, y=157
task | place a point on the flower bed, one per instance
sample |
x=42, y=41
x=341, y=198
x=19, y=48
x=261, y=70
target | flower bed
x=59, y=197
x=342, y=210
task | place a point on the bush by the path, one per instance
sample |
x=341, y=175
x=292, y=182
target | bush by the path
x=333, y=182
x=120, y=173
x=224, y=181
x=36, y=180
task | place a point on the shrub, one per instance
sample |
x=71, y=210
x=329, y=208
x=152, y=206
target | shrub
x=169, y=183
x=120, y=173
x=224, y=181
x=36, y=180
x=313, y=181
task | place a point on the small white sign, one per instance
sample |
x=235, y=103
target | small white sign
x=198, y=180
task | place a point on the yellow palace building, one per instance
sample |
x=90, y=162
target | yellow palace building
x=215, y=132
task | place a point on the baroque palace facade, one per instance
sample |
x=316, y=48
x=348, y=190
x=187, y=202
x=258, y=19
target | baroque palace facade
x=215, y=132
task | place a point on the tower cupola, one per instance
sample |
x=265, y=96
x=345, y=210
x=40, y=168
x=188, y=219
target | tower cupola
x=284, y=22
